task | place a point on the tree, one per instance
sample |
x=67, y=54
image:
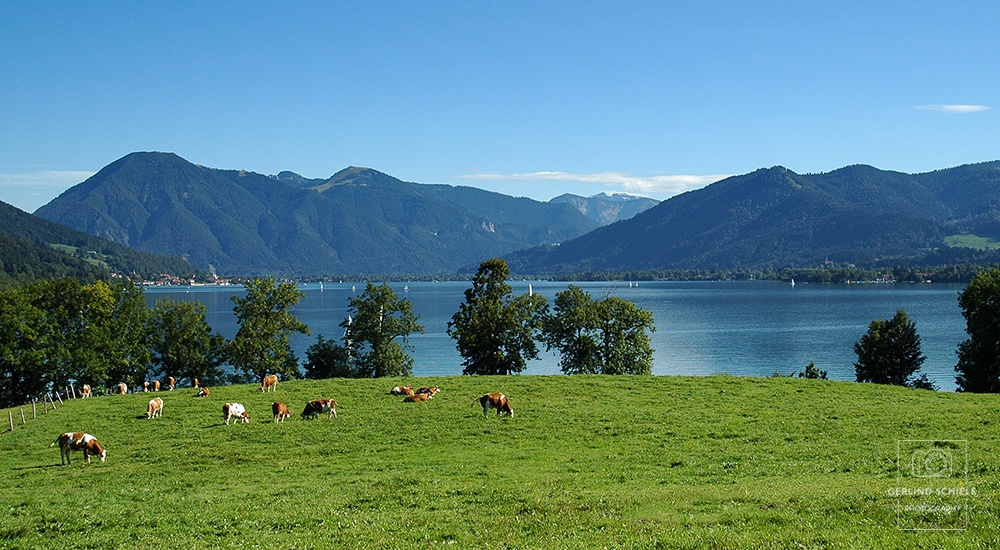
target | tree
x=23, y=348
x=261, y=345
x=812, y=372
x=494, y=331
x=978, y=365
x=328, y=359
x=377, y=319
x=182, y=343
x=889, y=353
x=606, y=336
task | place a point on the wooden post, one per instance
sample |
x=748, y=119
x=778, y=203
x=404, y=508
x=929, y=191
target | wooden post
x=11, y=415
x=59, y=397
x=34, y=410
x=72, y=391
x=22, y=416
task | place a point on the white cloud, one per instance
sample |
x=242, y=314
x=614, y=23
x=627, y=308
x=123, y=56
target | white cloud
x=662, y=186
x=31, y=190
x=955, y=108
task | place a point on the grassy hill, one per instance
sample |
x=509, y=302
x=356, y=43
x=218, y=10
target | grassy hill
x=587, y=462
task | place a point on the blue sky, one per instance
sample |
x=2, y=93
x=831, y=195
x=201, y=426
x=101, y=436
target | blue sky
x=525, y=98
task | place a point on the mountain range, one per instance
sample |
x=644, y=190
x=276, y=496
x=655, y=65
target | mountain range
x=776, y=218
x=357, y=221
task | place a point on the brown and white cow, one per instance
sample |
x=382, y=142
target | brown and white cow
x=78, y=441
x=195, y=385
x=170, y=383
x=417, y=397
x=237, y=412
x=122, y=388
x=202, y=392
x=402, y=390
x=497, y=401
x=155, y=384
x=280, y=411
x=319, y=406
x=85, y=391
x=269, y=383
x=145, y=387
x=154, y=408
x=429, y=391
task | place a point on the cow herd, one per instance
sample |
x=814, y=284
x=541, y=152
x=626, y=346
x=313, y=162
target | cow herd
x=79, y=441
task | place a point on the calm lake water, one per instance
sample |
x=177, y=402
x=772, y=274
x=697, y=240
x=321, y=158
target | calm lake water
x=702, y=328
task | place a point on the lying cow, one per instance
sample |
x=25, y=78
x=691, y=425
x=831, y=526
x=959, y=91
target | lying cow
x=78, y=441
x=280, y=411
x=497, y=401
x=429, y=391
x=417, y=397
x=402, y=390
x=202, y=392
x=269, y=383
x=236, y=411
x=319, y=406
x=154, y=408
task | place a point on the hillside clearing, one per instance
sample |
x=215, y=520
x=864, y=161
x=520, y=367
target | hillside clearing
x=587, y=462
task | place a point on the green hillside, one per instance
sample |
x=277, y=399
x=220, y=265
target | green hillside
x=587, y=462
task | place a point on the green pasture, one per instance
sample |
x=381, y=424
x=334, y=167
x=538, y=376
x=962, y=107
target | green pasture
x=587, y=462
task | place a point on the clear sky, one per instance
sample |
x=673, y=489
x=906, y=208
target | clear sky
x=533, y=98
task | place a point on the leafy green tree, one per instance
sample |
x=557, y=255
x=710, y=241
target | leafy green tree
x=889, y=353
x=494, y=331
x=378, y=318
x=812, y=372
x=121, y=340
x=261, y=345
x=978, y=365
x=328, y=359
x=182, y=343
x=23, y=348
x=606, y=336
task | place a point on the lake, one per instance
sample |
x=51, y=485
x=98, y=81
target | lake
x=702, y=328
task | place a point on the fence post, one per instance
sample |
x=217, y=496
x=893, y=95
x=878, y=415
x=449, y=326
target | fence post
x=22, y=416
x=11, y=415
x=59, y=397
x=72, y=391
x=34, y=410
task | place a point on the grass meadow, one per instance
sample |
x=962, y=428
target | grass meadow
x=587, y=462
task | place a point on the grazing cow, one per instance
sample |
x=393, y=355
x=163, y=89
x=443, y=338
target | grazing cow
x=195, y=383
x=145, y=387
x=429, y=391
x=402, y=390
x=78, y=441
x=85, y=391
x=156, y=385
x=497, y=401
x=417, y=397
x=154, y=408
x=280, y=411
x=269, y=383
x=319, y=406
x=235, y=411
x=170, y=383
x=202, y=392
x=122, y=388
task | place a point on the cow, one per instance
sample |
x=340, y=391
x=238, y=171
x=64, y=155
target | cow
x=85, y=391
x=237, y=412
x=202, y=392
x=155, y=385
x=170, y=383
x=154, y=408
x=280, y=411
x=145, y=387
x=78, y=441
x=122, y=388
x=417, y=397
x=195, y=383
x=429, y=391
x=402, y=390
x=269, y=383
x=319, y=406
x=497, y=401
